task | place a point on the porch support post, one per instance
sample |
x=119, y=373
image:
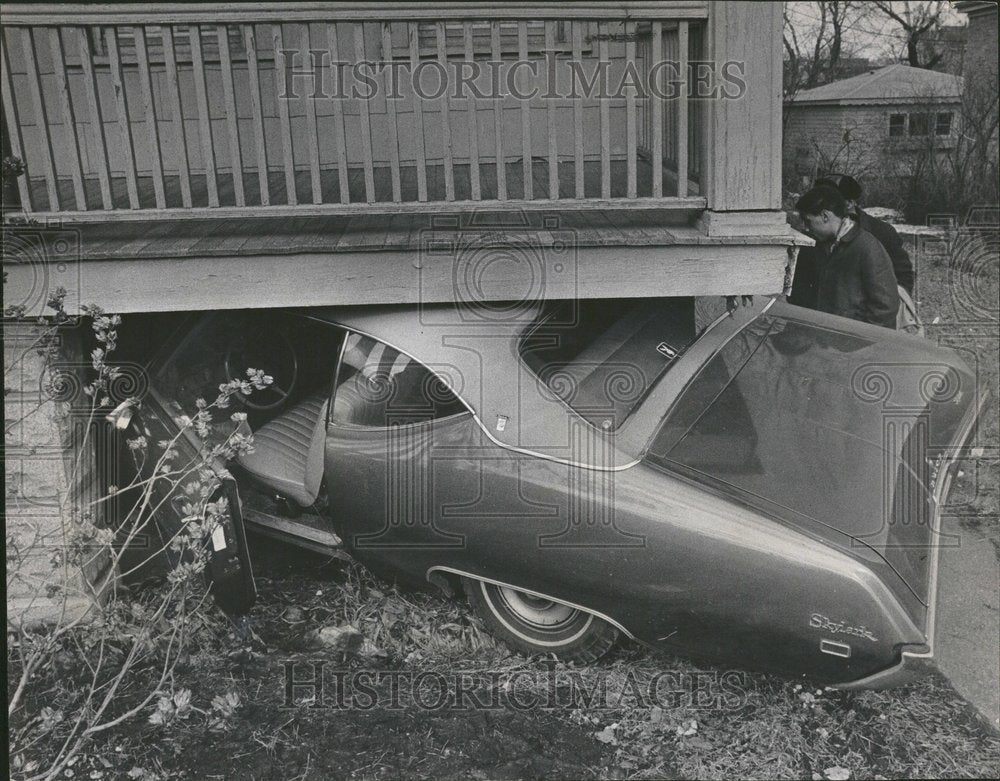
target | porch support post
x=744, y=123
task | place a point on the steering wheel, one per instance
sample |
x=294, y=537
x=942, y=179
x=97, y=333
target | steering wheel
x=271, y=351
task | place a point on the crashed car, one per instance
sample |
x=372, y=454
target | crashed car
x=764, y=492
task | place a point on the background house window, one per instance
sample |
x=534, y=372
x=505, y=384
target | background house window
x=942, y=127
x=897, y=124
x=918, y=124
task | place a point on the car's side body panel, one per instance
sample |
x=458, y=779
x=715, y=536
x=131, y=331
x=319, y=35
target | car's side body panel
x=673, y=567
x=522, y=491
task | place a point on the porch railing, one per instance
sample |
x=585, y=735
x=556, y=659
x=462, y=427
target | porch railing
x=126, y=112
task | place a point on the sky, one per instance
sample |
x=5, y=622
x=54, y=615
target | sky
x=874, y=35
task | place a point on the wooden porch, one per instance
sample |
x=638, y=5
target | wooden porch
x=323, y=260
x=186, y=157
x=124, y=110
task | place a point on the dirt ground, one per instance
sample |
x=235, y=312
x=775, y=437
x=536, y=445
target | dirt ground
x=517, y=719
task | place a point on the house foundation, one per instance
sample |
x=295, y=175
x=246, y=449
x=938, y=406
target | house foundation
x=50, y=480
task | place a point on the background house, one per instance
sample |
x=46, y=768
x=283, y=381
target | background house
x=869, y=125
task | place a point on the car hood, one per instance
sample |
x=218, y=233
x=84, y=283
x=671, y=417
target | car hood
x=823, y=422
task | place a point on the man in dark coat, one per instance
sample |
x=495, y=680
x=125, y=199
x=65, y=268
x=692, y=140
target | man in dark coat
x=888, y=237
x=855, y=277
x=806, y=278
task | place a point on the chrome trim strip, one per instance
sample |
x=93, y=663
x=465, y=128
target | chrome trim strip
x=538, y=594
x=905, y=671
x=738, y=331
x=908, y=666
x=941, y=494
x=556, y=459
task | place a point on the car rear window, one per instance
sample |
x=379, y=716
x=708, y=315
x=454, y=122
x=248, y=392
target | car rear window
x=602, y=357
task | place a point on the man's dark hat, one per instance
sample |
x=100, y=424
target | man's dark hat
x=847, y=185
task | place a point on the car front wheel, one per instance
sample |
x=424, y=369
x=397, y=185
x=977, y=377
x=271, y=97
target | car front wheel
x=536, y=625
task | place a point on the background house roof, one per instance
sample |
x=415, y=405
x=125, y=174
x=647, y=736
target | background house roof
x=892, y=84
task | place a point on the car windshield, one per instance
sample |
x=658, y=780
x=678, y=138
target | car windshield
x=602, y=357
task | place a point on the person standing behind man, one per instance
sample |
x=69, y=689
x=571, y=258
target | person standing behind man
x=888, y=237
x=855, y=277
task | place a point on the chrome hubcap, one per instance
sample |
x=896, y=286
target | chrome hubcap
x=534, y=610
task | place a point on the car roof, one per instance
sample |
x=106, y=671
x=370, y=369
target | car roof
x=475, y=352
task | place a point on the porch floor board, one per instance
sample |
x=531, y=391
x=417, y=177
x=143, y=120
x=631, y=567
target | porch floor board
x=404, y=232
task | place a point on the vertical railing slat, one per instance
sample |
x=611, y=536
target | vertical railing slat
x=124, y=123
x=173, y=92
x=682, y=111
x=470, y=103
x=578, y=112
x=312, y=138
x=656, y=109
x=204, y=118
x=498, y=118
x=256, y=112
x=281, y=95
x=449, y=165
x=602, y=49
x=522, y=53
x=13, y=122
x=670, y=131
x=550, y=116
x=97, y=120
x=390, y=111
x=412, y=32
x=149, y=115
x=41, y=118
x=232, y=118
x=343, y=175
x=366, y=119
x=68, y=116
x=630, y=119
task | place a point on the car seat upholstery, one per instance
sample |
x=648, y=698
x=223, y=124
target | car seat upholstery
x=365, y=397
x=288, y=451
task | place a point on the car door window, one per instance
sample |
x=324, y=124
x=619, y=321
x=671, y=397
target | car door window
x=377, y=387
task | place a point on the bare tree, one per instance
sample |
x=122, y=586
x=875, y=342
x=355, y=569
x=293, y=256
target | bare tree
x=815, y=50
x=919, y=22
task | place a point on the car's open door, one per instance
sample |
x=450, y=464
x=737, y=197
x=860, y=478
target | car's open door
x=163, y=513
